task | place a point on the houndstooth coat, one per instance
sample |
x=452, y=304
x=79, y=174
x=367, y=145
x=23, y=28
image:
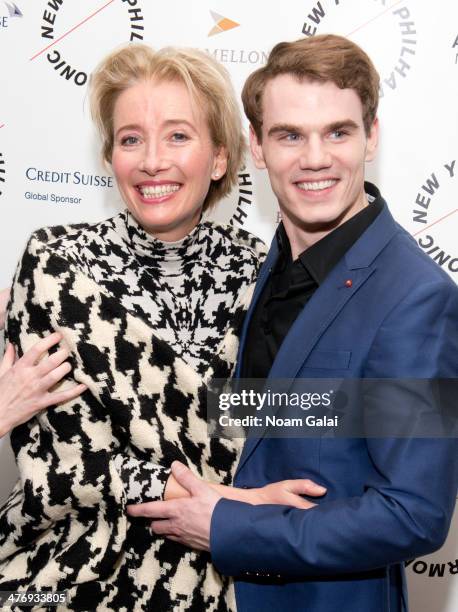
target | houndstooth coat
x=64, y=526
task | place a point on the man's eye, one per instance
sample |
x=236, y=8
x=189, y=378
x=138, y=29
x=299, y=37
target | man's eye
x=129, y=140
x=338, y=134
x=292, y=137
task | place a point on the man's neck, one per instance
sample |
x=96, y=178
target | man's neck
x=302, y=236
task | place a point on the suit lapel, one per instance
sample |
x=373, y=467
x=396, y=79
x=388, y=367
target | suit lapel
x=325, y=305
x=319, y=313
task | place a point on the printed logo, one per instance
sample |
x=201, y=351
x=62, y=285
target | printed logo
x=2, y=173
x=233, y=56
x=56, y=11
x=433, y=570
x=222, y=24
x=45, y=178
x=245, y=196
x=394, y=23
x=13, y=10
x=433, y=209
x=455, y=48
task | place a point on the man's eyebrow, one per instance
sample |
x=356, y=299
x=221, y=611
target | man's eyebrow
x=290, y=128
x=338, y=125
x=283, y=127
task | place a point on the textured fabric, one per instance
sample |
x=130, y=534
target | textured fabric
x=64, y=526
x=186, y=290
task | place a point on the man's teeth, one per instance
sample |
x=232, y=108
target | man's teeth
x=317, y=185
x=156, y=191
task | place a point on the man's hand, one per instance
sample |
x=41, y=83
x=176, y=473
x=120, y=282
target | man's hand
x=185, y=520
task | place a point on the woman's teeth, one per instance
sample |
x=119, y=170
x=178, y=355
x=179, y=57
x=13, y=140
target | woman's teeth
x=157, y=191
x=317, y=185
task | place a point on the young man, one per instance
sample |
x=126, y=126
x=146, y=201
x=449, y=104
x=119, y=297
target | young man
x=345, y=293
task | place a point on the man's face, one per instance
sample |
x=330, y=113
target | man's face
x=314, y=147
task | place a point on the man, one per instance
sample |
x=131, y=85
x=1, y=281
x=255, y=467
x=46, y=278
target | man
x=345, y=293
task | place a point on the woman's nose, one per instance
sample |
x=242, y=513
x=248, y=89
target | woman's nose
x=154, y=158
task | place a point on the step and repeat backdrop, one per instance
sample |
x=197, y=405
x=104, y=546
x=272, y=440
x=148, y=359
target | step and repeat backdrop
x=50, y=168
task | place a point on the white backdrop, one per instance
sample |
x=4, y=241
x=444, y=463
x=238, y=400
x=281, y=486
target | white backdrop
x=49, y=160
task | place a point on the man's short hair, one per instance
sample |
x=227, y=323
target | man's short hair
x=322, y=58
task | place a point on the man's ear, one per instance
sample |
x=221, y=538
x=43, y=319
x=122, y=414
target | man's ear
x=372, y=141
x=256, y=150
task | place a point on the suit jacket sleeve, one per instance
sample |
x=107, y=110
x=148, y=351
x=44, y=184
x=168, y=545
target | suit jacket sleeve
x=405, y=510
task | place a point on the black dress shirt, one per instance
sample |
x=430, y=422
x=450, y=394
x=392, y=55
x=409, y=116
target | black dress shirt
x=292, y=283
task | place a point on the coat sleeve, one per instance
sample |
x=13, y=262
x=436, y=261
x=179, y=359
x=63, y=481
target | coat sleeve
x=65, y=520
x=406, y=507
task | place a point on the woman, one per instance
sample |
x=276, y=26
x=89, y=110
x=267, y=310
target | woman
x=150, y=303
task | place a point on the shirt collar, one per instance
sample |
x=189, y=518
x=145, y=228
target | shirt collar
x=320, y=258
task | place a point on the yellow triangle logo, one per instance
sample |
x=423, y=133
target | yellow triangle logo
x=222, y=24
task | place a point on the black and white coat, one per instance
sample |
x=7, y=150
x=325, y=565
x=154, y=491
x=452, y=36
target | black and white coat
x=64, y=526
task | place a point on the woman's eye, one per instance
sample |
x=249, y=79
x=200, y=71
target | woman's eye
x=129, y=140
x=179, y=137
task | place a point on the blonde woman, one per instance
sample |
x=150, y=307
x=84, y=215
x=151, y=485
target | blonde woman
x=150, y=303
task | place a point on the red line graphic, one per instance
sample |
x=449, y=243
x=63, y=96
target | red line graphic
x=72, y=30
x=3, y=125
x=435, y=222
x=376, y=17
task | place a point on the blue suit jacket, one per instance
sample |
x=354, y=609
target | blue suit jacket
x=388, y=500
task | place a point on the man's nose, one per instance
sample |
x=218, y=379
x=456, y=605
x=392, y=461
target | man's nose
x=315, y=155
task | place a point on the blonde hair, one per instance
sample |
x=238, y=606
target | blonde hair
x=322, y=58
x=207, y=82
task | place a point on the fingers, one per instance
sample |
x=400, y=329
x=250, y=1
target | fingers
x=163, y=527
x=155, y=510
x=185, y=477
x=33, y=354
x=4, y=297
x=302, y=504
x=61, y=397
x=55, y=375
x=306, y=487
x=8, y=359
x=52, y=362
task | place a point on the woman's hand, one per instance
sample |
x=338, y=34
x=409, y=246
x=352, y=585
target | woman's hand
x=25, y=384
x=287, y=493
x=284, y=492
x=4, y=297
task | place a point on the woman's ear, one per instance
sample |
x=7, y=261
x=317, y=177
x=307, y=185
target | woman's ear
x=220, y=164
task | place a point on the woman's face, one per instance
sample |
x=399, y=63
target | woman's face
x=163, y=157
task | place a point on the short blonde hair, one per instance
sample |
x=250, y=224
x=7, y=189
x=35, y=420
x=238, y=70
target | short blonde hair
x=207, y=82
x=322, y=58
